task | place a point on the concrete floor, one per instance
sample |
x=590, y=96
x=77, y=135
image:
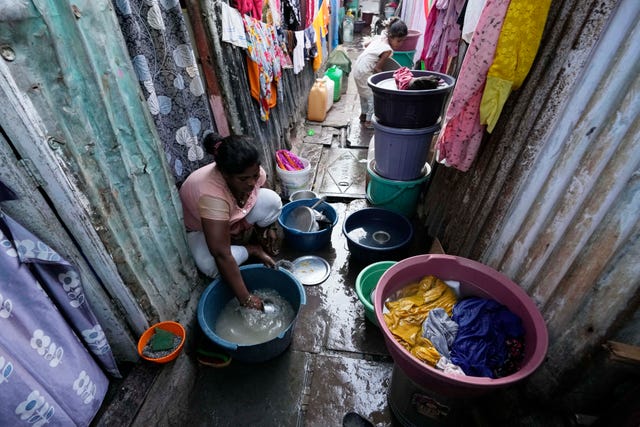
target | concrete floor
x=337, y=362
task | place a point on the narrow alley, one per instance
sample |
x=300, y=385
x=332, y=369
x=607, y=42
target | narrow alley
x=337, y=363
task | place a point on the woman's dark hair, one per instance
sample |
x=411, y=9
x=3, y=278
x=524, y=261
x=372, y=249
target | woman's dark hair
x=232, y=154
x=396, y=28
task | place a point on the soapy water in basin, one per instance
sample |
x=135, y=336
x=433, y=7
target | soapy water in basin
x=377, y=235
x=391, y=84
x=247, y=326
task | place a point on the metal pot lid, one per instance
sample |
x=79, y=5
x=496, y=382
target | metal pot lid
x=311, y=269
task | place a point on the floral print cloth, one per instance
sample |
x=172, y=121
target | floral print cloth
x=264, y=49
x=461, y=134
x=160, y=49
x=50, y=339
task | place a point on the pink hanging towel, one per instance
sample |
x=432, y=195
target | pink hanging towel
x=461, y=133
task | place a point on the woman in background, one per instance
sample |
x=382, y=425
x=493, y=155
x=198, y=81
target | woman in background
x=371, y=61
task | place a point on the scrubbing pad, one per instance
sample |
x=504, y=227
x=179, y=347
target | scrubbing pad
x=162, y=340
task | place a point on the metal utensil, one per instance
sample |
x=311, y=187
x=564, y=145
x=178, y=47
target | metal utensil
x=305, y=218
x=269, y=307
x=286, y=264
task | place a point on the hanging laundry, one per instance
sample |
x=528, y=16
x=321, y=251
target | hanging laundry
x=292, y=19
x=271, y=13
x=298, y=53
x=281, y=47
x=310, y=12
x=252, y=8
x=443, y=44
x=516, y=50
x=262, y=48
x=471, y=17
x=320, y=23
x=310, y=47
x=406, y=315
x=461, y=134
x=253, y=75
x=334, y=26
x=429, y=30
x=232, y=26
x=414, y=14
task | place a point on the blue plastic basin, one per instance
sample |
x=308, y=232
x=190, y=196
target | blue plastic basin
x=307, y=241
x=256, y=276
x=375, y=234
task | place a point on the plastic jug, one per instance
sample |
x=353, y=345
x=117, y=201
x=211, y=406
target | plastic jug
x=330, y=88
x=317, y=103
x=335, y=74
x=347, y=27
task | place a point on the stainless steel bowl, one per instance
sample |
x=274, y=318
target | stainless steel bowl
x=303, y=194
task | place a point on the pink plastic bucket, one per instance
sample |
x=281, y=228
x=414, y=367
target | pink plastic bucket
x=411, y=41
x=475, y=279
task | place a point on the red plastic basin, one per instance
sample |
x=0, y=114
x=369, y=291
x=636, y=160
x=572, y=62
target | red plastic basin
x=475, y=279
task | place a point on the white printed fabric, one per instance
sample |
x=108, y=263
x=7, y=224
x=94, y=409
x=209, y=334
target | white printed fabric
x=47, y=375
x=161, y=52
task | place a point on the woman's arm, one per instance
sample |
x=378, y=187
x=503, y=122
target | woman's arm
x=381, y=59
x=219, y=242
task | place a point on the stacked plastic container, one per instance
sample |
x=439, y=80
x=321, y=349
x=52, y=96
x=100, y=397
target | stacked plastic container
x=406, y=52
x=405, y=123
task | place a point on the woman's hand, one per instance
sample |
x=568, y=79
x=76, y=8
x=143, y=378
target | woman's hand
x=253, y=301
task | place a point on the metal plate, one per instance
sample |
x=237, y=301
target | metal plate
x=311, y=269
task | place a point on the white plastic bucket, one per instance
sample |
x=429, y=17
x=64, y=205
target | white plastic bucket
x=292, y=181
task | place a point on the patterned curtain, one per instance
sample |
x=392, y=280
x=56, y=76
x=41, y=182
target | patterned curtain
x=51, y=345
x=162, y=55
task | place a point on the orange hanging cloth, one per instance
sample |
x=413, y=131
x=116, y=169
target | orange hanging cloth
x=320, y=27
x=253, y=73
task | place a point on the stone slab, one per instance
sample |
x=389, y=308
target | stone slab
x=342, y=173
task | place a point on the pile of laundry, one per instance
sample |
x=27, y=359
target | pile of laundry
x=471, y=336
x=406, y=81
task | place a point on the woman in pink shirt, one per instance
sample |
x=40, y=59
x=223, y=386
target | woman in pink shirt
x=222, y=202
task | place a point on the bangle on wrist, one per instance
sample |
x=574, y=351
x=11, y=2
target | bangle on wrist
x=247, y=300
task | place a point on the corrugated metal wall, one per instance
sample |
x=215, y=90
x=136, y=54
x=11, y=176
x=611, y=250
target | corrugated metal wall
x=105, y=171
x=553, y=199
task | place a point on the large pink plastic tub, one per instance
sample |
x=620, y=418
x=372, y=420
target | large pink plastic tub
x=475, y=279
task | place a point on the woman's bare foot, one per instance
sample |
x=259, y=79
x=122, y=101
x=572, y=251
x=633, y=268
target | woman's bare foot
x=270, y=239
x=258, y=252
